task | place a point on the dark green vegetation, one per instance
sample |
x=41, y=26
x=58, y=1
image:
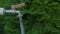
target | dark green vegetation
x=39, y=17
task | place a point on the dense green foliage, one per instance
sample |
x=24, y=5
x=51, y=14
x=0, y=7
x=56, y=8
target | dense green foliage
x=39, y=17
